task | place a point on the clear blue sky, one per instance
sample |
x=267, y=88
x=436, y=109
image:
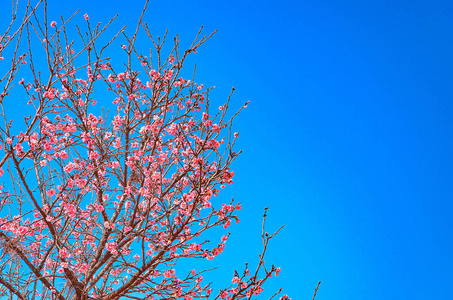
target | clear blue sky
x=348, y=138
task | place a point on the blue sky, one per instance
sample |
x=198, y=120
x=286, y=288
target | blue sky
x=348, y=136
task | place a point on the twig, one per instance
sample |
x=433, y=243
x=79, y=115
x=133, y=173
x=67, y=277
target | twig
x=316, y=289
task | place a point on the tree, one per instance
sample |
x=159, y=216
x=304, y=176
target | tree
x=104, y=203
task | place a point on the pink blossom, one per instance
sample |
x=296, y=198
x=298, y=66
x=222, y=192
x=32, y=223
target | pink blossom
x=80, y=183
x=22, y=230
x=63, y=253
x=18, y=148
x=228, y=223
x=94, y=155
x=117, y=143
x=53, y=24
x=83, y=268
x=223, y=294
x=50, y=193
x=63, y=155
x=86, y=16
x=111, y=247
x=170, y=273
x=69, y=167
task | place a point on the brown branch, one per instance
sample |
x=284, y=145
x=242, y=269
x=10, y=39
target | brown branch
x=316, y=289
x=12, y=289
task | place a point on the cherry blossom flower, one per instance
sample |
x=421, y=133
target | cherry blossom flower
x=50, y=193
x=63, y=253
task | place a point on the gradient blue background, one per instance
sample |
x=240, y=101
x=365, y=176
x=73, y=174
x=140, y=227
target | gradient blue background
x=348, y=137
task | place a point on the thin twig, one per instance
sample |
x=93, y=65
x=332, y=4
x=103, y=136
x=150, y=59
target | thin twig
x=316, y=289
